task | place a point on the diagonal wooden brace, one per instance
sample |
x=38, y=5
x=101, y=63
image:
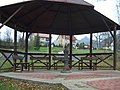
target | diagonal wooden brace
x=12, y=16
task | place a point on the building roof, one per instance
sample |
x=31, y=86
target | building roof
x=65, y=17
x=66, y=37
x=42, y=35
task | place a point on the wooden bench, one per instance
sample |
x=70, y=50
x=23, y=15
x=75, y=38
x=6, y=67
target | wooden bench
x=89, y=63
x=19, y=64
x=35, y=59
x=79, y=62
x=57, y=60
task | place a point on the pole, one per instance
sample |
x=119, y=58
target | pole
x=15, y=48
x=26, y=49
x=90, y=50
x=115, y=49
x=70, y=51
x=90, y=43
x=49, y=51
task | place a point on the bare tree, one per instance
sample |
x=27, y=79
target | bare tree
x=7, y=38
x=103, y=39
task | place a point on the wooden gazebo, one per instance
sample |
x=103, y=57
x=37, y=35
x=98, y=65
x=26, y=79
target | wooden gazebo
x=61, y=17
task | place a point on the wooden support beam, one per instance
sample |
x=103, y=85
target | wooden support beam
x=50, y=51
x=26, y=48
x=107, y=26
x=70, y=51
x=15, y=47
x=29, y=34
x=12, y=16
x=91, y=43
x=15, y=41
x=115, y=48
x=90, y=50
x=0, y=17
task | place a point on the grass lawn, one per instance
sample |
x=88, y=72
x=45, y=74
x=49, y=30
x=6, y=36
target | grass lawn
x=60, y=49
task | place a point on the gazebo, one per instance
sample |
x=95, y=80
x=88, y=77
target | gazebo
x=61, y=17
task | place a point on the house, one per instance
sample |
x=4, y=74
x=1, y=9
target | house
x=44, y=38
x=62, y=40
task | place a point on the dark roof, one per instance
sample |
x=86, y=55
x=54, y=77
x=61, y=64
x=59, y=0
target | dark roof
x=57, y=17
x=80, y=2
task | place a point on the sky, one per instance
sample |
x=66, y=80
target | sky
x=107, y=8
x=7, y=2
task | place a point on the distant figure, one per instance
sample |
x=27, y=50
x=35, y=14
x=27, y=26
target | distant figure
x=66, y=59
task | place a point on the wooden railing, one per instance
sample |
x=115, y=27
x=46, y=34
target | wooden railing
x=55, y=60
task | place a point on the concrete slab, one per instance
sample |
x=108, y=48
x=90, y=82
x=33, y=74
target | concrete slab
x=76, y=80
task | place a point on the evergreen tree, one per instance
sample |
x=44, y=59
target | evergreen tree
x=37, y=42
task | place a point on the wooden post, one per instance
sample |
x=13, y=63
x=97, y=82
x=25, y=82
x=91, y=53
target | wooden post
x=90, y=43
x=50, y=51
x=15, y=48
x=114, y=38
x=90, y=50
x=15, y=41
x=26, y=49
x=115, y=49
x=70, y=51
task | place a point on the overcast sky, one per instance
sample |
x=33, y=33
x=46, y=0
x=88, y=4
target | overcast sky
x=107, y=8
x=7, y=2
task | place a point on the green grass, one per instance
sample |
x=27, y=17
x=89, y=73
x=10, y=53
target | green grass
x=6, y=65
x=60, y=49
x=7, y=86
x=16, y=84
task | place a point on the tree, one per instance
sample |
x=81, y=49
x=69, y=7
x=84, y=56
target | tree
x=81, y=45
x=106, y=39
x=7, y=38
x=37, y=42
x=21, y=42
x=31, y=42
x=103, y=39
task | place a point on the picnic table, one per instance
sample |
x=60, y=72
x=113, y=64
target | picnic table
x=19, y=63
x=90, y=61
